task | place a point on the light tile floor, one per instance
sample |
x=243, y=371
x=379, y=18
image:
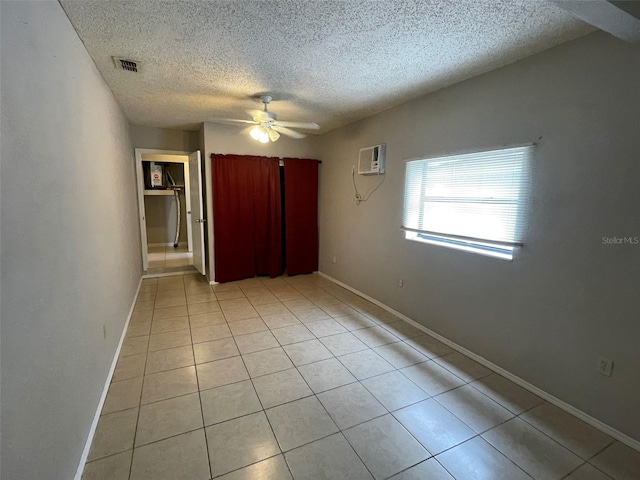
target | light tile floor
x=169, y=261
x=297, y=378
x=168, y=256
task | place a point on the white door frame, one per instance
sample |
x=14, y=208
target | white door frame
x=197, y=210
x=180, y=157
x=210, y=246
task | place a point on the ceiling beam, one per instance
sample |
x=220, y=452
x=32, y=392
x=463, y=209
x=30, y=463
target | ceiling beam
x=613, y=17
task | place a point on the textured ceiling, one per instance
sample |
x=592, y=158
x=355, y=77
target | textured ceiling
x=332, y=62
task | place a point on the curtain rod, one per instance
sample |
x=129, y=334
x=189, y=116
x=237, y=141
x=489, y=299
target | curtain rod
x=264, y=156
x=291, y=158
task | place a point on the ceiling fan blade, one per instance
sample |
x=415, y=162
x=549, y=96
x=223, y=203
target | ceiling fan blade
x=288, y=132
x=262, y=116
x=307, y=125
x=232, y=121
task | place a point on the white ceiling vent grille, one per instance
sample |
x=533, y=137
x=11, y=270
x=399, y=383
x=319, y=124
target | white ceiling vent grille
x=126, y=64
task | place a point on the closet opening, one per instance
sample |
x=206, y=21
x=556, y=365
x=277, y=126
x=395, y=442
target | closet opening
x=170, y=206
x=265, y=216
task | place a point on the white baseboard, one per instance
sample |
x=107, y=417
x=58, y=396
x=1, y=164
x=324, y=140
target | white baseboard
x=594, y=422
x=167, y=274
x=105, y=390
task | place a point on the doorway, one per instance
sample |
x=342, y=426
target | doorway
x=170, y=208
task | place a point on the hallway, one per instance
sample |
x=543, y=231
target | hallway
x=298, y=378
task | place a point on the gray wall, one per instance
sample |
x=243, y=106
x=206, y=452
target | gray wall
x=164, y=138
x=70, y=241
x=228, y=139
x=567, y=298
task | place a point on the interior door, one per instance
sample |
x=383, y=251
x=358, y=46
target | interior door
x=195, y=194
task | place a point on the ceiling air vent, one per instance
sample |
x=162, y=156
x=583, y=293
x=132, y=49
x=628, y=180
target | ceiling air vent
x=125, y=64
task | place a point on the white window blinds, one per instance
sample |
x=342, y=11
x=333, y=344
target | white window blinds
x=476, y=197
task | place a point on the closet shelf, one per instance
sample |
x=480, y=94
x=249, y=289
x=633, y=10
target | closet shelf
x=159, y=192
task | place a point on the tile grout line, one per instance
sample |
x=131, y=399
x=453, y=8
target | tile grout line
x=588, y=462
x=479, y=434
x=613, y=440
x=264, y=411
x=315, y=337
x=254, y=463
x=492, y=446
x=195, y=369
x=466, y=382
x=312, y=394
x=495, y=426
x=135, y=434
x=329, y=415
x=568, y=408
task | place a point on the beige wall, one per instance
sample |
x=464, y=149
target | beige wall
x=164, y=138
x=228, y=139
x=71, y=258
x=566, y=299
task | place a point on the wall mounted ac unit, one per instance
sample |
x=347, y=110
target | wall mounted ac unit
x=371, y=160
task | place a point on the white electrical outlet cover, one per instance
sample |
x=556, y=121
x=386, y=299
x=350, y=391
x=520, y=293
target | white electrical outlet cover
x=605, y=366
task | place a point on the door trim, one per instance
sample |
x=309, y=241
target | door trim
x=139, y=152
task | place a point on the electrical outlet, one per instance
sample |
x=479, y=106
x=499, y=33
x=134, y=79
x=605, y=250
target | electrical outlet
x=400, y=283
x=334, y=259
x=605, y=366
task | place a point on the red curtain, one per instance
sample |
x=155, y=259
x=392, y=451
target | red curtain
x=267, y=202
x=301, y=215
x=246, y=216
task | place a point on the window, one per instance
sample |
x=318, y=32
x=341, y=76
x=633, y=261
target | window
x=474, y=202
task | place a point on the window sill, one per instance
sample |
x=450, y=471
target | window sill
x=486, y=249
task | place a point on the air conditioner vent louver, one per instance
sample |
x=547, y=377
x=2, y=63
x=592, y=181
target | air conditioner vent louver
x=371, y=160
x=125, y=64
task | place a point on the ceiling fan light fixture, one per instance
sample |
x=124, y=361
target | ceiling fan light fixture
x=255, y=132
x=263, y=133
x=273, y=135
x=259, y=133
x=266, y=127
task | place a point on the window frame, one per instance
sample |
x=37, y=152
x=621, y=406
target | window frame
x=505, y=250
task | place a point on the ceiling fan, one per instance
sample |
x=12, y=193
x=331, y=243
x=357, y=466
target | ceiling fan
x=267, y=126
